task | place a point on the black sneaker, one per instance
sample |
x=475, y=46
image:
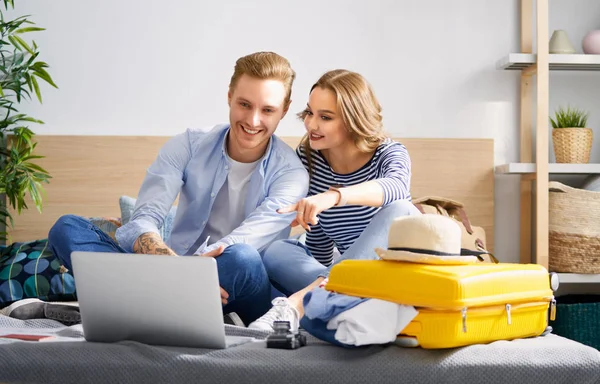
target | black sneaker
x=28, y=309
x=233, y=318
x=25, y=309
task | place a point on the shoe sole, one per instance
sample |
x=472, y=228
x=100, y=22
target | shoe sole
x=6, y=311
x=237, y=321
x=10, y=309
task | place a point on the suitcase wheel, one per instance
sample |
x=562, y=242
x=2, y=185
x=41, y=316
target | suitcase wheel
x=406, y=342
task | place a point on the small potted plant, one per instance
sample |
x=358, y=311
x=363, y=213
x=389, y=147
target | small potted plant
x=571, y=138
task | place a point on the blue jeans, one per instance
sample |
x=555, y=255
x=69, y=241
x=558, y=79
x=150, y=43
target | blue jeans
x=291, y=267
x=240, y=268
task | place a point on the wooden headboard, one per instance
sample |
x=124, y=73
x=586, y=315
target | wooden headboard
x=89, y=173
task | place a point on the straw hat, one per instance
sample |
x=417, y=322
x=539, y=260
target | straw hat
x=427, y=238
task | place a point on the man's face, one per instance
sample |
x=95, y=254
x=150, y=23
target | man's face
x=255, y=109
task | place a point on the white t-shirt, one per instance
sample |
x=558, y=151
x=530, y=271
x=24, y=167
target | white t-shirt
x=228, y=209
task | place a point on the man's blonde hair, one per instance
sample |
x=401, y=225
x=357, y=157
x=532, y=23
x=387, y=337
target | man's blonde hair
x=265, y=65
x=360, y=109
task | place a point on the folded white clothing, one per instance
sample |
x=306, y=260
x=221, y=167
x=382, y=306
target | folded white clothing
x=371, y=322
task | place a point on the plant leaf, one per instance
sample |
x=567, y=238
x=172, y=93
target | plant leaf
x=41, y=73
x=37, y=88
x=569, y=118
x=14, y=42
x=29, y=29
x=23, y=44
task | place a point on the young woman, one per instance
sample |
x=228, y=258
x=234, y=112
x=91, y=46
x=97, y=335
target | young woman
x=359, y=183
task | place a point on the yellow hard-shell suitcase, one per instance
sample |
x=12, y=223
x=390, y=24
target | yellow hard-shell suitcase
x=458, y=304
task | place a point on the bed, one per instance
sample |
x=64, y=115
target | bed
x=91, y=173
x=544, y=360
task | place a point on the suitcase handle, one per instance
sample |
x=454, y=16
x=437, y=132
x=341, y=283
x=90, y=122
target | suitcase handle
x=468, y=252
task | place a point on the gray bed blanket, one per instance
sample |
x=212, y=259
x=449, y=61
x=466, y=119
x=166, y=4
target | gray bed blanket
x=544, y=360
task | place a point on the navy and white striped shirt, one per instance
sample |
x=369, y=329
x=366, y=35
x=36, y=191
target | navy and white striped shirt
x=340, y=226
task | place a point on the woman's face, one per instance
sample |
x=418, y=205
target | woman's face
x=323, y=121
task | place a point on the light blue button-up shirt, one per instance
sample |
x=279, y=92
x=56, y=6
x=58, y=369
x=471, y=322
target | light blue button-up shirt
x=194, y=165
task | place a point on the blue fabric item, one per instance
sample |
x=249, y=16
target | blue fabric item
x=318, y=328
x=75, y=233
x=320, y=306
x=240, y=268
x=292, y=267
x=324, y=305
x=194, y=166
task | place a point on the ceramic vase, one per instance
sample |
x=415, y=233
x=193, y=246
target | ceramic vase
x=591, y=43
x=559, y=43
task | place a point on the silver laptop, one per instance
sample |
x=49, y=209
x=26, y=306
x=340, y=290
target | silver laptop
x=153, y=299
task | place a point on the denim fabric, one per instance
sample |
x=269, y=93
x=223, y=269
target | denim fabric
x=291, y=266
x=324, y=305
x=243, y=275
x=240, y=268
x=320, y=306
x=74, y=233
x=318, y=328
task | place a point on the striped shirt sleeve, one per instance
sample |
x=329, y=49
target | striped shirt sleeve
x=300, y=153
x=394, y=166
x=320, y=245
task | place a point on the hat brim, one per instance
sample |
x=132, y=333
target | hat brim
x=414, y=257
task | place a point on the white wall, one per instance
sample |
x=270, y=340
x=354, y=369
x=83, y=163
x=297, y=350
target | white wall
x=133, y=67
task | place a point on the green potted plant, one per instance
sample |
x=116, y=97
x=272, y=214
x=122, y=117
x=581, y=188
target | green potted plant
x=571, y=137
x=20, y=72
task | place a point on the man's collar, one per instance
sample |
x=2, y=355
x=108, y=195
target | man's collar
x=266, y=156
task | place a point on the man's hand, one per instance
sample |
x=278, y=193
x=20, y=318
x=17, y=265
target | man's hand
x=215, y=252
x=308, y=208
x=224, y=296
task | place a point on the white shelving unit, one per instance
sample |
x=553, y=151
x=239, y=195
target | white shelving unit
x=576, y=278
x=553, y=168
x=576, y=62
x=535, y=69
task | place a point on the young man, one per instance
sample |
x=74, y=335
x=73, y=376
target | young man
x=230, y=180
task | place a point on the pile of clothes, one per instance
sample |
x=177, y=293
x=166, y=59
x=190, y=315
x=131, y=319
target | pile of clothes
x=425, y=291
x=353, y=321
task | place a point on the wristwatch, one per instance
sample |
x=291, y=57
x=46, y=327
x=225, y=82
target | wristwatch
x=343, y=199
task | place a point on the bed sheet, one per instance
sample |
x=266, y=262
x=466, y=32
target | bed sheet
x=544, y=360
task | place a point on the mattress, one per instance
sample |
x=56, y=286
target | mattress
x=544, y=360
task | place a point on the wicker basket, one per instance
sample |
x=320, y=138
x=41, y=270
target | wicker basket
x=574, y=227
x=572, y=145
x=578, y=318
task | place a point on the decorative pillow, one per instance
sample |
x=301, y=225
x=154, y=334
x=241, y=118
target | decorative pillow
x=30, y=270
x=127, y=205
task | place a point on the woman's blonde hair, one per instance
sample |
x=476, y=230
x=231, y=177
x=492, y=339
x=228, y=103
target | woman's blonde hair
x=360, y=109
x=264, y=65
